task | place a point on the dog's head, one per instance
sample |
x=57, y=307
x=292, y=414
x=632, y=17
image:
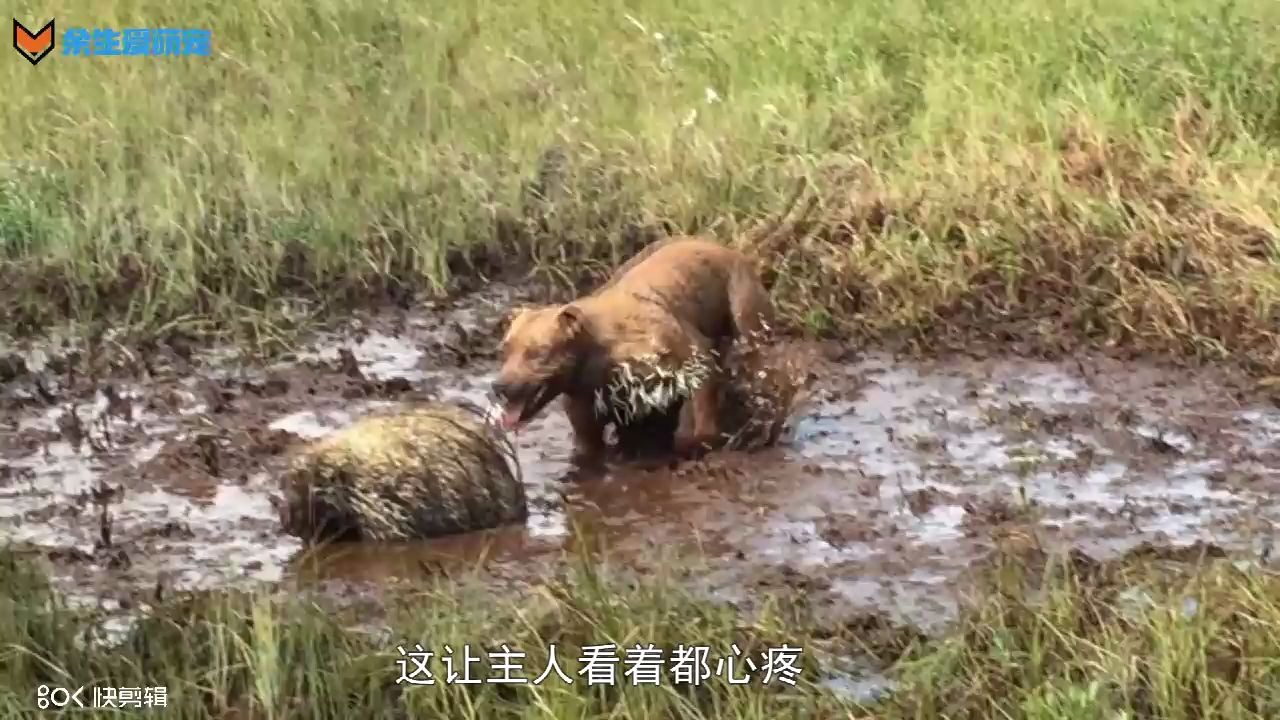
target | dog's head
x=541, y=354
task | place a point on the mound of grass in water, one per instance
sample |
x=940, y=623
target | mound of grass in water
x=1143, y=637
x=1069, y=170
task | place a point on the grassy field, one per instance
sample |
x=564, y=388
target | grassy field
x=1148, y=637
x=1052, y=171
x=1056, y=173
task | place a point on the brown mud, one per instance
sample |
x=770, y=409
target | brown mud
x=896, y=478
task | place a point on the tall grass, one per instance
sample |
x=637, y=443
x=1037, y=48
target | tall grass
x=1168, y=635
x=1096, y=169
x=270, y=655
x=1057, y=638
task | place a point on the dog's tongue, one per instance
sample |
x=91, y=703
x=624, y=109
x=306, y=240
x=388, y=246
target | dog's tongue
x=510, y=418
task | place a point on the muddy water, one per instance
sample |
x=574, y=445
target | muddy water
x=895, y=478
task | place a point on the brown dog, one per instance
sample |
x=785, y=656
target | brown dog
x=676, y=307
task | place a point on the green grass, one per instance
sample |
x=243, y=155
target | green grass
x=1060, y=172
x=1056, y=172
x=1150, y=635
x=1144, y=637
x=280, y=656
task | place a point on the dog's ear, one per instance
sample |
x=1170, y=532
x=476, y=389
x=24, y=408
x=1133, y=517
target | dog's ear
x=571, y=320
x=508, y=321
x=513, y=317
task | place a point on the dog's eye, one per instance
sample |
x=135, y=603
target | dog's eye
x=538, y=353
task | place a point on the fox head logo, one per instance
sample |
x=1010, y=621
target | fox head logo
x=33, y=46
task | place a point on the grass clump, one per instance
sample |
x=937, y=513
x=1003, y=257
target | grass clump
x=1053, y=172
x=1149, y=636
x=1155, y=634
x=237, y=654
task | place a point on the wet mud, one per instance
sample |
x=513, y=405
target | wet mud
x=893, y=480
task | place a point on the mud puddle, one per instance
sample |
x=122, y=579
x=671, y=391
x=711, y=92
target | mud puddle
x=895, y=479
